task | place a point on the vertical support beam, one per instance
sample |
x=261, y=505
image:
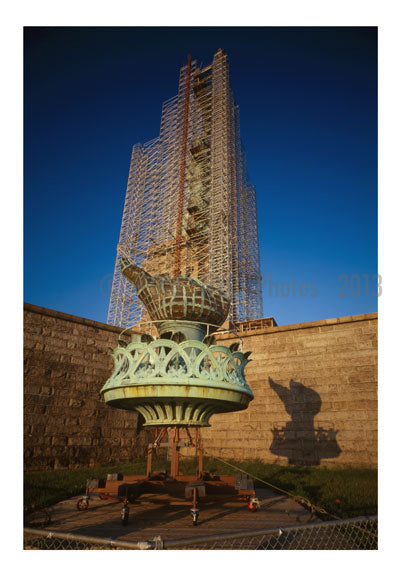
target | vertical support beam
x=174, y=455
x=200, y=455
x=178, y=238
x=149, y=462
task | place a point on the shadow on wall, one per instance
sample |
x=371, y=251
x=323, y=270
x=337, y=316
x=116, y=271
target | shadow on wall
x=299, y=440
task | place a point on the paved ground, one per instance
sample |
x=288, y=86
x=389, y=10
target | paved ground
x=159, y=515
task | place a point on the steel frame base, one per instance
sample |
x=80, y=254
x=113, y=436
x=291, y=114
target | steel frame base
x=188, y=489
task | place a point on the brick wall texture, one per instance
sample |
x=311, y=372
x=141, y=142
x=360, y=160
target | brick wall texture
x=315, y=388
x=66, y=422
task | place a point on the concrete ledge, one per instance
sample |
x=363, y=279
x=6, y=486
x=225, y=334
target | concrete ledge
x=300, y=326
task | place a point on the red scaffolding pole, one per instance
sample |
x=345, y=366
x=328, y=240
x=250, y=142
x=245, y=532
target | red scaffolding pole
x=178, y=240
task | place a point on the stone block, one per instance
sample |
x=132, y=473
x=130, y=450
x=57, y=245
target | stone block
x=331, y=357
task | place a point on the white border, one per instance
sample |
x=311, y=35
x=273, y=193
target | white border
x=250, y=13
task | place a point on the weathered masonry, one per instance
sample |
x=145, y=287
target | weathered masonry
x=66, y=423
x=315, y=388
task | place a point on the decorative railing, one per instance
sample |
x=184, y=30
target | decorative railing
x=188, y=362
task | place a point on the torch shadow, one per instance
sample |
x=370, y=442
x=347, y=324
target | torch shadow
x=300, y=440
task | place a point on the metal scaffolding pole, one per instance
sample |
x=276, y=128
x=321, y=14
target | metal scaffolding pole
x=190, y=208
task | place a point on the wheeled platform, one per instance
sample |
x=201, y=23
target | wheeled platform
x=188, y=489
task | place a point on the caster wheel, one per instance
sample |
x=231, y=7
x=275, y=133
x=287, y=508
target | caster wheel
x=195, y=516
x=253, y=505
x=82, y=504
x=124, y=515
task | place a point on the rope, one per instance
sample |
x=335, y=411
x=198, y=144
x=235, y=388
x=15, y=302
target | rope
x=296, y=498
x=299, y=499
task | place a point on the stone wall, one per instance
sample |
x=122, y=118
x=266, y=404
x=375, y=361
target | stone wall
x=66, y=423
x=315, y=388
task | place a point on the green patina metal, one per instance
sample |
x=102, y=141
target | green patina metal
x=182, y=298
x=172, y=382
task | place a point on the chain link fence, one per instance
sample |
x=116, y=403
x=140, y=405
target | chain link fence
x=48, y=540
x=353, y=534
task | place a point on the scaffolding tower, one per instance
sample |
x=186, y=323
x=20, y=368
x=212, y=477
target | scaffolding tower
x=190, y=208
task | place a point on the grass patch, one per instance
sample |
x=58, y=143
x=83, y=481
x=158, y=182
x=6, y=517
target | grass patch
x=345, y=493
x=47, y=487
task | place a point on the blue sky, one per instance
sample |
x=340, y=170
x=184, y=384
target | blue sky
x=308, y=103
